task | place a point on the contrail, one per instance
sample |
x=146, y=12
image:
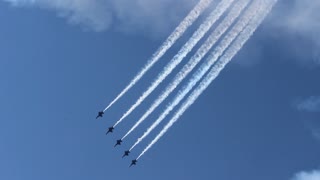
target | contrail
x=202, y=51
x=213, y=17
x=215, y=70
x=175, y=35
x=213, y=57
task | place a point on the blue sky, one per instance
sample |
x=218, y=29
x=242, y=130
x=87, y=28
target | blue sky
x=61, y=62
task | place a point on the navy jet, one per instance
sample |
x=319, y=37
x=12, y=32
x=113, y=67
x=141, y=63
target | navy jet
x=110, y=130
x=118, y=142
x=100, y=114
x=134, y=162
x=126, y=153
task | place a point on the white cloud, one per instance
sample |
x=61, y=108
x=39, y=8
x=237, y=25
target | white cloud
x=316, y=133
x=313, y=175
x=311, y=104
x=90, y=13
x=303, y=17
x=153, y=16
x=299, y=21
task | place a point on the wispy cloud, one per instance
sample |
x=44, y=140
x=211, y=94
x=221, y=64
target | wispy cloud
x=312, y=175
x=311, y=104
x=93, y=14
x=150, y=16
x=153, y=16
x=299, y=21
x=296, y=23
x=316, y=133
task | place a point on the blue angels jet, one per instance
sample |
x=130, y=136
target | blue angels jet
x=100, y=114
x=118, y=142
x=110, y=130
x=134, y=162
x=126, y=153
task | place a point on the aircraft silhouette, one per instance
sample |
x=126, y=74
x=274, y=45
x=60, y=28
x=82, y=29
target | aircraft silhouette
x=126, y=153
x=134, y=162
x=118, y=142
x=110, y=130
x=100, y=114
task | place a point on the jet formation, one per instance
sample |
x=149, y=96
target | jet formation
x=118, y=142
x=226, y=29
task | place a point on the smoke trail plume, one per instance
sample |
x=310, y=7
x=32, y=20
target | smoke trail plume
x=242, y=22
x=176, y=34
x=202, y=51
x=227, y=57
x=202, y=30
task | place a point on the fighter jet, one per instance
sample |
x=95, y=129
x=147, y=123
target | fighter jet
x=100, y=114
x=134, y=162
x=126, y=153
x=118, y=142
x=110, y=130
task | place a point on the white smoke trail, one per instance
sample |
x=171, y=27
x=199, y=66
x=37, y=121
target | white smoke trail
x=230, y=53
x=213, y=57
x=175, y=35
x=202, y=51
x=202, y=30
